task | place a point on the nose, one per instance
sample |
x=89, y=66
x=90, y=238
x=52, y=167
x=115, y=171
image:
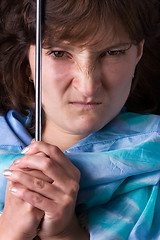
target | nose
x=87, y=79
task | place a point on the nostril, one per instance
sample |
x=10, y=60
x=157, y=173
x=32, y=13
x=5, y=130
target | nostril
x=87, y=86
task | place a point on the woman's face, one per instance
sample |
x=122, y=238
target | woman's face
x=86, y=86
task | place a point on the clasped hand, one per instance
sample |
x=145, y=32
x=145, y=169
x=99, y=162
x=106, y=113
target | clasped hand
x=46, y=181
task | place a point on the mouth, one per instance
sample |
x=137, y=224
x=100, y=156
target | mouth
x=86, y=105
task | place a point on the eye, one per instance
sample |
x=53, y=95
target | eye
x=114, y=52
x=57, y=54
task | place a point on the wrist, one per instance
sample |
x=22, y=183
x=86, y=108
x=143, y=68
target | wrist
x=73, y=232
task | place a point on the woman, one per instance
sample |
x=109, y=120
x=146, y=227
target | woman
x=90, y=69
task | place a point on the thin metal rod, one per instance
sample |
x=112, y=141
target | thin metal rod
x=38, y=136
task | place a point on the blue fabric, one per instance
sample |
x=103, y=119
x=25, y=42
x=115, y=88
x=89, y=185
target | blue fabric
x=13, y=138
x=120, y=173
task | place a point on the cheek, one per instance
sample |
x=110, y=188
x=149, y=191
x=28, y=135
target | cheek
x=55, y=71
x=118, y=75
x=55, y=80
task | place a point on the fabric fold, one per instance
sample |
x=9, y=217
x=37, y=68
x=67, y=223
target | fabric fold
x=120, y=176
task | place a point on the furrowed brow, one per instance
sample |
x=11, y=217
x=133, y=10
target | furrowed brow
x=120, y=45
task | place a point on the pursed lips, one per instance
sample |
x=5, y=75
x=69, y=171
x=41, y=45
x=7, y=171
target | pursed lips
x=85, y=105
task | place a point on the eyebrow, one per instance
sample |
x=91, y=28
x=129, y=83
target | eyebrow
x=68, y=47
x=118, y=45
x=60, y=45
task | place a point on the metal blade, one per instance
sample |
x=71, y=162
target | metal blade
x=38, y=136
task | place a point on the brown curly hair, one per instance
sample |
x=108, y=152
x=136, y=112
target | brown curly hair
x=76, y=20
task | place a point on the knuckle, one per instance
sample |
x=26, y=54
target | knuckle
x=30, y=208
x=36, y=199
x=35, y=145
x=38, y=183
x=54, y=150
x=23, y=193
x=74, y=188
x=41, y=154
x=47, y=164
x=26, y=158
x=67, y=200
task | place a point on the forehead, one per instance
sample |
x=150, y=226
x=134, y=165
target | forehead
x=105, y=37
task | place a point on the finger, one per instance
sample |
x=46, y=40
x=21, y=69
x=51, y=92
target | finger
x=35, y=173
x=51, y=151
x=35, y=199
x=41, y=154
x=61, y=180
x=13, y=166
x=34, y=184
x=48, y=166
x=38, y=146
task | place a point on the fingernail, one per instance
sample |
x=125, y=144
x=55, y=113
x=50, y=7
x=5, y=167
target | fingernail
x=7, y=173
x=13, y=189
x=25, y=150
x=17, y=161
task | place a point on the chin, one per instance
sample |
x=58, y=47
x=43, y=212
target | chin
x=86, y=128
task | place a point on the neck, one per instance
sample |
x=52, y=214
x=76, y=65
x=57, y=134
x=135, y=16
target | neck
x=60, y=138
